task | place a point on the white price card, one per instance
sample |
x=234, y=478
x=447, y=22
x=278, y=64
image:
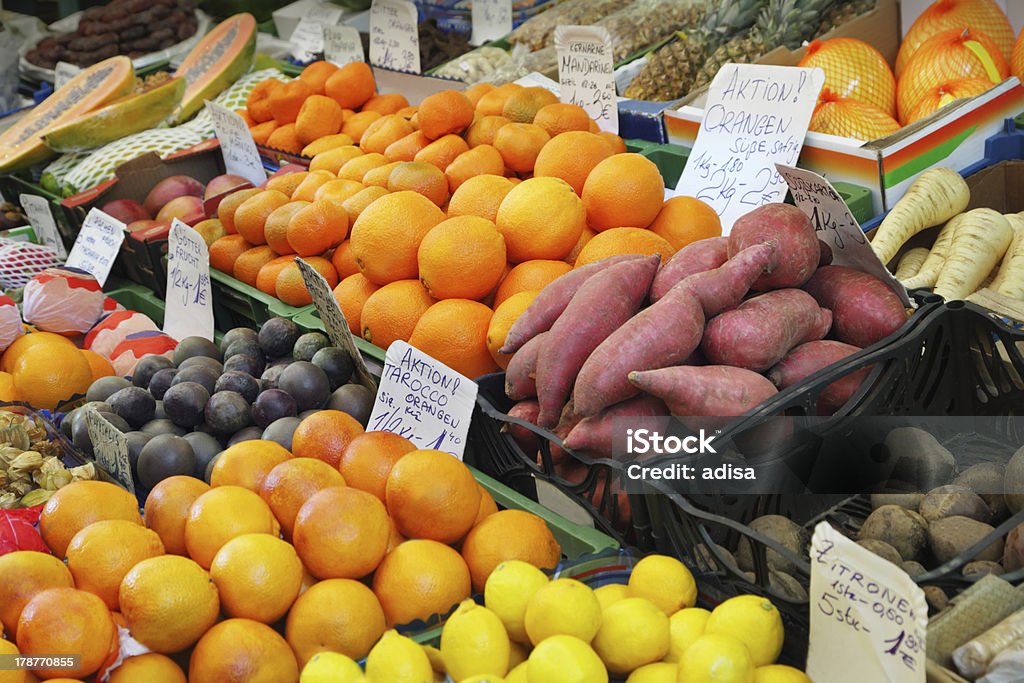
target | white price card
x=869, y=620
x=37, y=209
x=62, y=73
x=98, y=244
x=342, y=45
x=236, y=144
x=492, y=19
x=836, y=226
x=395, y=35
x=586, y=72
x=308, y=37
x=756, y=116
x=334, y=321
x=110, y=447
x=189, y=296
x=423, y=400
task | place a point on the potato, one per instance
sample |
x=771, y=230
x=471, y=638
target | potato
x=782, y=530
x=953, y=501
x=882, y=549
x=913, y=567
x=950, y=536
x=918, y=459
x=1013, y=483
x=706, y=562
x=786, y=586
x=982, y=567
x=936, y=597
x=903, y=529
x=1013, y=552
x=986, y=479
x=911, y=501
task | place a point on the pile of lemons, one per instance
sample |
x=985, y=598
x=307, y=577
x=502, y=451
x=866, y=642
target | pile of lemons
x=532, y=629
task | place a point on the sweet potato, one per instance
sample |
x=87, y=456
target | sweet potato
x=825, y=257
x=595, y=434
x=761, y=331
x=696, y=257
x=527, y=411
x=602, y=304
x=521, y=371
x=807, y=359
x=724, y=287
x=796, y=243
x=708, y=391
x=544, y=310
x=864, y=309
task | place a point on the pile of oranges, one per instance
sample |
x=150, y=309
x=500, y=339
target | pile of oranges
x=438, y=224
x=45, y=369
x=284, y=555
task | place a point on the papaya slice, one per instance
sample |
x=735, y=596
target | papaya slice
x=21, y=145
x=216, y=61
x=120, y=118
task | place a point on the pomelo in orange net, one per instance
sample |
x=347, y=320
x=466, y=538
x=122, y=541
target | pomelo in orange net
x=942, y=15
x=851, y=119
x=854, y=69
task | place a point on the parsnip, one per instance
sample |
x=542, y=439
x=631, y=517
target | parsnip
x=972, y=658
x=911, y=263
x=1010, y=279
x=928, y=273
x=937, y=195
x=980, y=241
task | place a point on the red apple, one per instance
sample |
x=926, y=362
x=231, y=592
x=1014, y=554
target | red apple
x=171, y=188
x=126, y=210
x=188, y=209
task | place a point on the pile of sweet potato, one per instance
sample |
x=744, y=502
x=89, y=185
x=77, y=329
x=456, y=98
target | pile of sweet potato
x=718, y=329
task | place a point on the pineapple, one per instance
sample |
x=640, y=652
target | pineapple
x=648, y=22
x=670, y=70
x=782, y=22
x=842, y=12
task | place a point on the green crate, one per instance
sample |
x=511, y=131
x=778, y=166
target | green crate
x=236, y=304
x=136, y=297
x=670, y=160
x=638, y=145
x=309, y=321
x=858, y=199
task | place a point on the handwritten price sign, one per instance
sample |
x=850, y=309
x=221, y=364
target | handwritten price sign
x=394, y=35
x=586, y=72
x=492, y=19
x=189, y=299
x=236, y=145
x=98, y=243
x=111, y=448
x=756, y=116
x=342, y=45
x=308, y=37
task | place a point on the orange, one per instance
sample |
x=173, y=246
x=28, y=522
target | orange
x=257, y=103
x=315, y=75
x=275, y=229
x=442, y=152
x=102, y=553
x=481, y=160
x=151, y=667
x=368, y=460
x=287, y=182
x=291, y=483
x=484, y=129
x=339, y=190
x=223, y=513
x=325, y=435
x=419, y=579
x=541, y=218
x=584, y=239
x=79, y=504
x=333, y=159
x=454, y=331
x=227, y=207
x=448, y=111
x=571, y=157
x=406, y=112
x=492, y=102
x=624, y=241
x=337, y=615
x=341, y=533
x=617, y=144
x=319, y=117
x=432, y=495
x=242, y=650
x=99, y=366
x=509, y=535
x=623, y=191
x=356, y=125
x=307, y=189
x=684, y=220
x=7, y=390
x=391, y=312
x=257, y=577
x=405, y=149
x=561, y=118
x=387, y=235
x=419, y=177
x=462, y=258
x=356, y=168
x=167, y=509
x=487, y=506
x=247, y=464
x=224, y=252
x=379, y=135
x=285, y=139
x=286, y=100
x=266, y=279
x=317, y=227
x=261, y=132
x=47, y=375
x=65, y=621
x=475, y=92
x=378, y=177
x=391, y=103
x=480, y=196
x=519, y=144
x=395, y=539
x=252, y=215
x=325, y=143
x=522, y=105
x=25, y=573
x=1017, y=59
x=351, y=295
x=351, y=85
x=504, y=315
x=291, y=288
x=249, y=262
x=357, y=203
x=27, y=341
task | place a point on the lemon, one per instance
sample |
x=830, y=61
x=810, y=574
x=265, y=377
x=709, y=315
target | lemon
x=684, y=627
x=633, y=632
x=565, y=659
x=779, y=673
x=659, y=672
x=518, y=674
x=474, y=642
x=507, y=592
x=611, y=593
x=436, y=660
x=563, y=607
x=331, y=667
x=665, y=581
x=517, y=654
x=717, y=658
x=753, y=620
x=483, y=678
x=398, y=659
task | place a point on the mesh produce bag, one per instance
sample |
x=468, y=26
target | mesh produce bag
x=21, y=261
